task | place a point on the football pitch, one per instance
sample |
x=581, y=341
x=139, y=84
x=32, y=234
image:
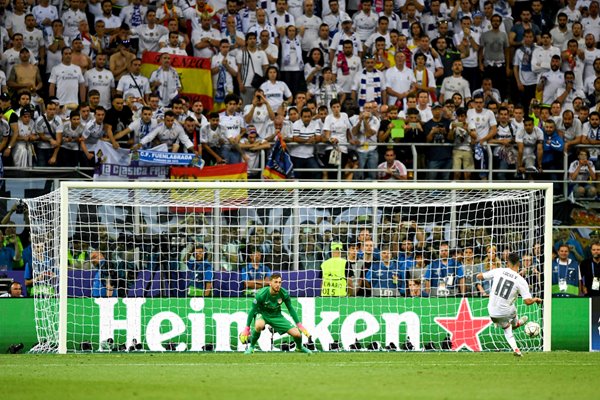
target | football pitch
x=291, y=375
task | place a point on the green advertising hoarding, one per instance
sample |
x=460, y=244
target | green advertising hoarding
x=192, y=323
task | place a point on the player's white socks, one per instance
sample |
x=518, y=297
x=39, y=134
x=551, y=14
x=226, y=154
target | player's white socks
x=510, y=338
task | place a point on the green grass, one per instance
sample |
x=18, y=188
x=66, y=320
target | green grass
x=365, y=376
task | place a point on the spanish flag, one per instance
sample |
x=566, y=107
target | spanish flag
x=194, y=73
x=202, y=200
x=279, y=165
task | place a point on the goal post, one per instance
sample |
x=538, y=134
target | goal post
x=144, y=244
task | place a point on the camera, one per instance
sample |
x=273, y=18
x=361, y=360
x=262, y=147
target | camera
x=21, y=207
x=461, y=134
x=15, y=348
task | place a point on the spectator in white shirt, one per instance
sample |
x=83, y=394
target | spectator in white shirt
x=551, y=81
x=306, y=132
x=165, y=80
x=455, y=84
x=392, y=169
x=540, y=59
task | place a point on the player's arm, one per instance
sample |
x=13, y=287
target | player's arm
x=207, y=289
x=532, y=300
x=294, y=315
x=251, y=315
x=122, y=133
x=256, y=284
x=462, y=286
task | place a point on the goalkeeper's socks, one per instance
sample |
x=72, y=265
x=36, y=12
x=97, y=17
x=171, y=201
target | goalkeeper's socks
x=255, y=337
x=249, y=350
x=298, y=342
x=510, y=338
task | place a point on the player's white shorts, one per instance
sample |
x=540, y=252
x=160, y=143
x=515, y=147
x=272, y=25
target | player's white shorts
x=505, y=320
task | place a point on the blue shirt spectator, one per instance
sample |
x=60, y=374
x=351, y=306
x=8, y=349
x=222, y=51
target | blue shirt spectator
x=200, y=283
x=387, y=273
x=565, y=274
x=7, y=256
x=102, y=286
x=9, y=259
x=444, y=274
x=255, y=275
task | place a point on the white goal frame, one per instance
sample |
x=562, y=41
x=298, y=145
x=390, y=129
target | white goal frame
x=363, y=185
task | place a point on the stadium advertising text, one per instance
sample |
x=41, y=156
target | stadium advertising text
x=190, y=324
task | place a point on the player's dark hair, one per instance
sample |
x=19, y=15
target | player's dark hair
x=513, y=258
x=274, y=276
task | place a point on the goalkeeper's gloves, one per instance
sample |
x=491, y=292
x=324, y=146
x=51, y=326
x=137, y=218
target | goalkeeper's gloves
x=245, y=335
x=303, y=329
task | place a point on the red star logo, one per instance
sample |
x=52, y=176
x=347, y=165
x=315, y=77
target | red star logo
x=464, y=328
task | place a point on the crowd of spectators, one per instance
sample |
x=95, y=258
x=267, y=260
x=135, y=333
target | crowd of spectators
x=408, y=261
x=513, y=85
x=508, y=85
x=397, y=257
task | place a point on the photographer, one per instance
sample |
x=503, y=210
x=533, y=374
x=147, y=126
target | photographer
x=464, y=136
x=259, y=113
x=438, y=157
x=364, y=136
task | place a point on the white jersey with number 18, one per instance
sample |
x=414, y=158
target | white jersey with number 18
x=506, y=286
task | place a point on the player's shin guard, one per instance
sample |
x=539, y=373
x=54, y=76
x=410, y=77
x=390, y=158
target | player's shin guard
x=510, y=338
x=255, y=337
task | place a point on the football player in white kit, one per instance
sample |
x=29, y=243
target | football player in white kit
x=506, y=286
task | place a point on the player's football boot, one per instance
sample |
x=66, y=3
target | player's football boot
x=249, y=350
x=303, y=349
x=522, y=321
x=518, y=353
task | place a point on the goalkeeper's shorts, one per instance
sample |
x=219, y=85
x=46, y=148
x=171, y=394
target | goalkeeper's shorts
x=279, y=324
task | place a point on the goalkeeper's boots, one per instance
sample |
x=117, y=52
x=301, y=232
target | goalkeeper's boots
x=521, y=322
x=518, y=353
x=303, y=349
x=249, y=350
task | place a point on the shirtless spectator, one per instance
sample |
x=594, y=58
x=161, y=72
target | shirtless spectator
x=121, y=60
x=79, y=58
x=25, y=76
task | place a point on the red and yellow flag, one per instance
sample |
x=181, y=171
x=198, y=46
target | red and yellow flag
x=194, y=73
x=202, y=200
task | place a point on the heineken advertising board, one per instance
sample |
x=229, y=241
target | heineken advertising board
x=191, y=323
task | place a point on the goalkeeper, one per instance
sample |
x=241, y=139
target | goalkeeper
x=266, y=308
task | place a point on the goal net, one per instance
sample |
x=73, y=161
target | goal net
x=173, y=266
